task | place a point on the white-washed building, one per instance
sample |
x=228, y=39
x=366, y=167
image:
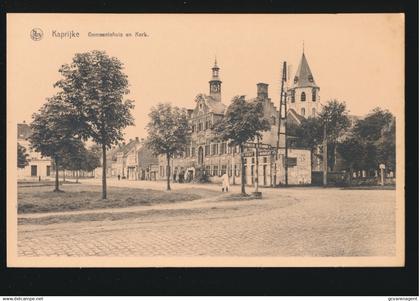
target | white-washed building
x=39, y=168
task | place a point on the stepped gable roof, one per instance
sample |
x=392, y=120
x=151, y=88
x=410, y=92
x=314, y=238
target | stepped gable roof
x=23, y=131
x=303, y=77
x=214, y=106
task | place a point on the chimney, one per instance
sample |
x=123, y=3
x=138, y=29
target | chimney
x=262, y=90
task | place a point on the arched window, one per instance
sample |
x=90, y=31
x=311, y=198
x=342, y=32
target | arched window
x=302, y=111
x=303, y=96
x=313, y=94
x=292, y=96
x=313, y=112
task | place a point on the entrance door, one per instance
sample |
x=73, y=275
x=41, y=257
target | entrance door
x=200, y=155
x=48, y=171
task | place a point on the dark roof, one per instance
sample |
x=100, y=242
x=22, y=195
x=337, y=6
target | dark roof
x=129, y=146
x=303, y=77
x=23, y=131
x=292, y=113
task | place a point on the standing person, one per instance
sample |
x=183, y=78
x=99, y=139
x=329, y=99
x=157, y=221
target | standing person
x=119, y=177
x=225, y=183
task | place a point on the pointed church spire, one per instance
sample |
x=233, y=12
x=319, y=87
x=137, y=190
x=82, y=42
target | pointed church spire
x=304, y=77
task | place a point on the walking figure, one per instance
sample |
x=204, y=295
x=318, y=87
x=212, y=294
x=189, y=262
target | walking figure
x=225, y=183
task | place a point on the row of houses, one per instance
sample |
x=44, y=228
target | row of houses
x=131, y=160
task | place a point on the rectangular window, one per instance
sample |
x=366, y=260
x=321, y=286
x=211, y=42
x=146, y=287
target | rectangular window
x=48, y=171
x=215, y=170
x=223, y=148
x=193, y=152
x=207, y=150
x=223, y=170
x=34, y=170
x=193, y=128
x=291, y=162
x=213, y=149
x=200, y=127
x=207, y=169
x=187, y=152
x=229, y=170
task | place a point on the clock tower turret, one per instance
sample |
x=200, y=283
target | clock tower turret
x=215, y=83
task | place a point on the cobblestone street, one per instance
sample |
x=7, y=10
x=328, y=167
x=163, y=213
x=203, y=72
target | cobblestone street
x=287, y=222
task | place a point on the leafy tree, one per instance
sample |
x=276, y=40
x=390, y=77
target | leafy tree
x=353, y=153
x=334, y=117
x=387, y=147
x=94, y=84
x=372, y=126
x=309, y=134
x=81, y=159
x=168, y=132
x=243, y=122
x=22, y=156
x=377, y=131
x=52, y=132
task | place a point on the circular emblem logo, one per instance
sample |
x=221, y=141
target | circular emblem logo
x=36, y=34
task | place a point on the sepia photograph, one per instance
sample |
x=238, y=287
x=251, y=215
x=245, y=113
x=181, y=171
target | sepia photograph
x=205, y=140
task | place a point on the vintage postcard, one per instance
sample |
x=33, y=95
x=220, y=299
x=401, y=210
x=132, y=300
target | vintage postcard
x=205, y=140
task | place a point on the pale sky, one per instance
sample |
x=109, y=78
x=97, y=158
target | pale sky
x=354, y=58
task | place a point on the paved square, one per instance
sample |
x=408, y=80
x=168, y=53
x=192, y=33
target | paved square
x=287, y=222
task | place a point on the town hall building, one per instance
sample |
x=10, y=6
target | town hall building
x=207, y=152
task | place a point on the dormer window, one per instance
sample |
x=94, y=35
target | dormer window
x=296, y=79
x=310, y=78
x=303, y=96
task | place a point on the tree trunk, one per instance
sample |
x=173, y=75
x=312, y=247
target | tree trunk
x=242, y=170
x=168, y=172
x=351, y=176
x=103, y=172
x=56, y=189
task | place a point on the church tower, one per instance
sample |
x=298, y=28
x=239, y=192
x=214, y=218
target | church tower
x=215, y=83
x=303, y=95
